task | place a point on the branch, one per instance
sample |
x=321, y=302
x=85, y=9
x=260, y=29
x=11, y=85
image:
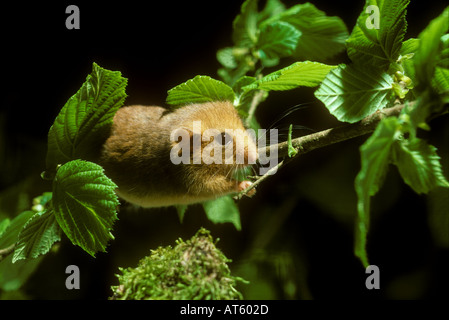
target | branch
x=257, y=99
x=330, y=136
x=7, y=251
x=325, y=138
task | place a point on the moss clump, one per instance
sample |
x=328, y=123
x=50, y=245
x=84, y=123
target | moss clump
x=192, y=270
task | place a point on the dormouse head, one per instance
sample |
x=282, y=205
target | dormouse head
x=212, y=133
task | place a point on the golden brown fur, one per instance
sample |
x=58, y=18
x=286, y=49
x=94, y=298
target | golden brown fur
x=136, y=156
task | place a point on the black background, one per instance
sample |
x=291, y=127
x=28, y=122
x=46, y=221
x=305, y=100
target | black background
x=158, y=45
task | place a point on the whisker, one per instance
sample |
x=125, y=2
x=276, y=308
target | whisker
x=285, y=114
x=253, y=170
x=288, y=112
x=230, y=172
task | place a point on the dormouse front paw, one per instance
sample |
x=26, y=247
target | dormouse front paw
x=245, y=184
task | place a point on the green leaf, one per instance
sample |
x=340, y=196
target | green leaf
x=441, y=80
x=408, y=49
x=226, y=57
x=243, y=96
x=85, y=204
x=84, y=121
x=428, y=54
x=272, y=8
x=321, y=36
x=409, y=46
x=4, y=225
x=199, y=90
x=375, y=156
x=378, y=47
x=444, y=54
x=231, y=76
x=306, y=73
x=245, y=25
x=431, y=70
x=13, y=276
x=351, y=94
x=38, y=236
x=419, y=112
x=181, y=209
x=277, y=40
x=419, y=165
x=241, y=83
x=223, y=210
x=11, y=232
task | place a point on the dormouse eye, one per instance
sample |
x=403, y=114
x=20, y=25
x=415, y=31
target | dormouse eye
x=224, y=138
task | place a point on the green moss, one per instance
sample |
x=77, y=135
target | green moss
x=192, y=270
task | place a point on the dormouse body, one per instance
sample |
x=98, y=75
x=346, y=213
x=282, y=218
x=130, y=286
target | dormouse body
x=139, y=153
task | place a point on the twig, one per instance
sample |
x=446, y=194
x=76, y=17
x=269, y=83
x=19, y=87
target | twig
x=324, y=138
x=330, y=136
x=7, y=251
x=257, y=99
x=259, y=180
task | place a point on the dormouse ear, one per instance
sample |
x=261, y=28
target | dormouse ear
x=179, y=135
x=224, y=138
